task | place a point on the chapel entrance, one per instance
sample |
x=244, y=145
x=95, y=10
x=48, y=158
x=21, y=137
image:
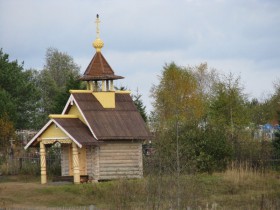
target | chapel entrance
x=82, y=161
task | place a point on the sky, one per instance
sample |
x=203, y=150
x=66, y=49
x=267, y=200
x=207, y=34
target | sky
x=233, y=36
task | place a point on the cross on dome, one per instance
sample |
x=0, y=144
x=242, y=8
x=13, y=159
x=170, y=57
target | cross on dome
x=98, y=43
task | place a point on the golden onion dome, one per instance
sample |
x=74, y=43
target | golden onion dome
x=98, y=44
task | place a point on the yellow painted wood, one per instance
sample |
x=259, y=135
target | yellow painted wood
x=62, y=116
x=53, y=132
x=76, y=167
x=82, y=161
x=123, y=91
x=43, y=163
x=80, y=91
x=75, y=111
x=107, y=99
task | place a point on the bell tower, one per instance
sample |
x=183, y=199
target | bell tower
x=99, y=75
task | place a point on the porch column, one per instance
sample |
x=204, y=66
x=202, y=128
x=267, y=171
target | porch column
x=76, y=168
x=43, y=163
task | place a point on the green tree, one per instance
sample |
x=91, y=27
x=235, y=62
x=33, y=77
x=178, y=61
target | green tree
x=180, y=119
x=63, y=95
x=228, y=105
x=7, y=132
x=140, y=105
x=60, y=66
x=19, y=92
x=177, y=98
x=60, y=74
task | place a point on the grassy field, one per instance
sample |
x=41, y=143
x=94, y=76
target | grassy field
x=234, y=189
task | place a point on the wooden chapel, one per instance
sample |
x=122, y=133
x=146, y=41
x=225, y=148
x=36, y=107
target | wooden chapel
x=100, y=129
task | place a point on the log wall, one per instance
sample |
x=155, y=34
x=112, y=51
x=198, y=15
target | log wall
x=111, y=160
x=120, y=160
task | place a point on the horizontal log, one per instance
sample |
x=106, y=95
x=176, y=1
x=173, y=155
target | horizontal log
x=117, y=161
x=119, y=169
x=110, y=177
x=119, y=147
x=122, y=173
x=119, y=157
x=118, y=151
x=121, y=164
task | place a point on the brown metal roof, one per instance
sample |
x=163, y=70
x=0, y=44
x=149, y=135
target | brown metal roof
x=99, y=69
x=77, y=129
x=122, y=122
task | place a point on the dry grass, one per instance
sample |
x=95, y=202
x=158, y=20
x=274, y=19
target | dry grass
x=240, y=187
x=240, y=173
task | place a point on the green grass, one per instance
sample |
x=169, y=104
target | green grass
x=234, y=189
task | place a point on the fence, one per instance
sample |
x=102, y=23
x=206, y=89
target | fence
x=29, y=163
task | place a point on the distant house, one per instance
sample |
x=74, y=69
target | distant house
x=100, y=130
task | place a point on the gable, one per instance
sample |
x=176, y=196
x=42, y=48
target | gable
x=53, y=131
x=73, y=110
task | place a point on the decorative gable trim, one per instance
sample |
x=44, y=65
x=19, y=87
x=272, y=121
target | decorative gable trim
x=70, y=136
x=38, y=134
x=69, y=102
x=45, y=127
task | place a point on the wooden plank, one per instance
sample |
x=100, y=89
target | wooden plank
x=96, y=162
x=119, y=158
x=82, y=161
x=119, y=164
x=110, y=177
x=89, y=160
x=117, y=161
x=118, y=147
x=130, y=153
x=118, y=151
x=117, y=173
x=123, y=169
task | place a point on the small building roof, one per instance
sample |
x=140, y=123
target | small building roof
x=123, y=122
x=77, y=129
x=99, y=69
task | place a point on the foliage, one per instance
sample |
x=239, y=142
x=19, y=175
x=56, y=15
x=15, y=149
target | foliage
x=60, y=74
x=276, y=144
x=60, y=66
x=228, y=105
x=177, y=96
x=6, y=134
x=140, y=105
x=18, y=91
x=184, y=132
